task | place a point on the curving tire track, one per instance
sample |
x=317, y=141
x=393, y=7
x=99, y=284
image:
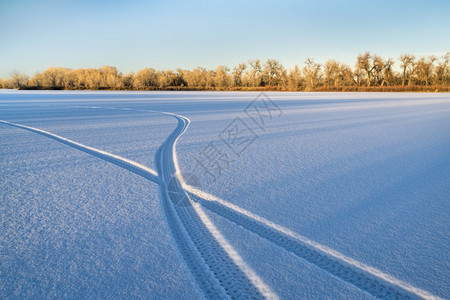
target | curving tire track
x=125, y=163
x=364, y=277
x=198, y=240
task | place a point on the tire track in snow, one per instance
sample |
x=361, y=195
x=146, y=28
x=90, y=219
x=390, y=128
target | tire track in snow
x=364, y=277
x=191, y=227
x=125, y=163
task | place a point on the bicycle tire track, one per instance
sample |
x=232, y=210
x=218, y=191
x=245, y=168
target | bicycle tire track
x=117, y=160
x=363, y=277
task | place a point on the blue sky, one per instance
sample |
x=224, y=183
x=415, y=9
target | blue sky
x=135, y=34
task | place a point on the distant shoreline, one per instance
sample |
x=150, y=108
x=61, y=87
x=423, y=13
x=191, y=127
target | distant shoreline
x=371, y=73
x=356, y=89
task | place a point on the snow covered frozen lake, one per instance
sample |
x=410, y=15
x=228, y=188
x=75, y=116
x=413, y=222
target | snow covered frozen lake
x=191, y=195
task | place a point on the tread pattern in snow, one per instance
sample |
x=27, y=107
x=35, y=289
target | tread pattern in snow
x=187, y=228
x=360, y=279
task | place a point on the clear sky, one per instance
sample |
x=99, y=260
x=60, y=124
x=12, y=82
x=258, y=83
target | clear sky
x=161, y=34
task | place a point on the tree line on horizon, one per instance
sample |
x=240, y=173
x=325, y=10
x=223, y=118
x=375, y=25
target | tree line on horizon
x=370, y=73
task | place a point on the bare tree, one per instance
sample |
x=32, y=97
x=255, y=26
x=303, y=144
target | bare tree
x=442, y=71
x=37, y=80
x=255, y=73
x=272, y=72
x=382, y=70
x=54, y=77
x=364, y=62
x=127, y=81
x=388, y=73
x=6, y=83
x=237, y=74
x=69, y=79
x=110, y=77
x=221, y=77
x=378, y=67
x=408, y=65
x=19, y=80
x=145, y=79
x=294, y=79
x=331, y=73
x=312, y=73
x=425, y=69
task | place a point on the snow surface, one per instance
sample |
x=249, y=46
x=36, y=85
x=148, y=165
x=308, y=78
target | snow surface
x=329, y=183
